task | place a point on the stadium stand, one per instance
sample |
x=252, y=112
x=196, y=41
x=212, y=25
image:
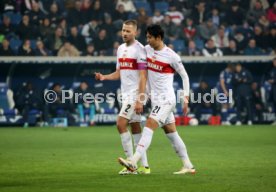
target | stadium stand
x=17, y=17
x=41, y=28
x=47, y=70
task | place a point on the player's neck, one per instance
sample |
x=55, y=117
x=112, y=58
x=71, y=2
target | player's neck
x=160, y=46
x=130, y=42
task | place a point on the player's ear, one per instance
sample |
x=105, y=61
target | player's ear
x=158, y=38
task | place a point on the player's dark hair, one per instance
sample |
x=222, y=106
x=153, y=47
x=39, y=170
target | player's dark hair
x=155, y=31
x=131, y=22
x=230, y=65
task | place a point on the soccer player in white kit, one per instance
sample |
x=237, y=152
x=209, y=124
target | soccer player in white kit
x=131, y=69
x=163, y=62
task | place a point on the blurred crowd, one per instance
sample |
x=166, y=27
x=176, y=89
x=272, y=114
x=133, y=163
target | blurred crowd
x=93, y=27
x=247, y=98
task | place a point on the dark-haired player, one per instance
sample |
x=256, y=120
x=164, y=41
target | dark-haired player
x=163, y=62
x=132, y=71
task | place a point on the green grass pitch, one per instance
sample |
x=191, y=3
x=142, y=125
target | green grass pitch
x=85, y=159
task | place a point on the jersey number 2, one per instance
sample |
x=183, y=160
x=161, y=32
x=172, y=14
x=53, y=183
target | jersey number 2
x=127, y=108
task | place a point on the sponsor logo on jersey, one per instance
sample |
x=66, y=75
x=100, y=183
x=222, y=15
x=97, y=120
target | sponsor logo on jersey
x=128, y=63
x=154, y=66
x=159, y=66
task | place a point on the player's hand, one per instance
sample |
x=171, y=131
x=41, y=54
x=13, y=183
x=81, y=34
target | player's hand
x=138, y=107
x=226, y=93
x=185, y=107
x=99, y=76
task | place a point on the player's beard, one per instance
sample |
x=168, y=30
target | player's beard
x=128, y=40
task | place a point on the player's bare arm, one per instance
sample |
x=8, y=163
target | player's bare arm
x=141, y=94
x=111, y=76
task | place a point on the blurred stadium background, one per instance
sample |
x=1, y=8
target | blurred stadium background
x=59, y=44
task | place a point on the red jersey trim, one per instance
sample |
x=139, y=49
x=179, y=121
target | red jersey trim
x=128, y=63
x=159, y=66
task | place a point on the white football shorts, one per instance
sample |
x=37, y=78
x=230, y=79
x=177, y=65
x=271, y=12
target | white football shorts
x=127, y=111
x=163, y=113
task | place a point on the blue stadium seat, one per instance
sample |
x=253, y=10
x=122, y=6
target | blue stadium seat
x=199, y=43
x=75, y=85
x=178, y=45
x=145, y=5
x=139, y=1
x=33, y=44
x=161, y=6
x=194, y=86
x=132, y=15
x=16, y=18
x=15, y=44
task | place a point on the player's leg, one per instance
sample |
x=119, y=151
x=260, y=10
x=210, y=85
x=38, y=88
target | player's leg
x=142, y=145
x=126, y=139
x=92, y=114
x=157, y=116
x=178, y=145
x=123, y=120
x=239, y=109
x=122, y=123
x=248, y=103
x=224, y=114
x=81, y=113
x=136, y=133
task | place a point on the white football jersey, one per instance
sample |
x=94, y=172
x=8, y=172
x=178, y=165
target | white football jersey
x=130, y=59
x=161, y=67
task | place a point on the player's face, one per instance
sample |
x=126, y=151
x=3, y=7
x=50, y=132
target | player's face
x=238, y=68
x=152, y=41
x=128, y=33
x=274, y=62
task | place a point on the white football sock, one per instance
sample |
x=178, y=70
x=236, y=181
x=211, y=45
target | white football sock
x=127, y=144
x=142, y=145
x=144, y=159
x=180, y=148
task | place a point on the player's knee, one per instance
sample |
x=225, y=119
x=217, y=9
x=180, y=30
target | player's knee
x=170, y=128
x=151, y=123
x=122, y=125
x=136, y=128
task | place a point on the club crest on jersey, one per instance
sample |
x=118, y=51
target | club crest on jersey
x=153, y=59
x=124, y=56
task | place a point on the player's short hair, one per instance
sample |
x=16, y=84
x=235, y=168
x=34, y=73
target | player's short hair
x=131, y=22
x=155, y=31
x=230, y=65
